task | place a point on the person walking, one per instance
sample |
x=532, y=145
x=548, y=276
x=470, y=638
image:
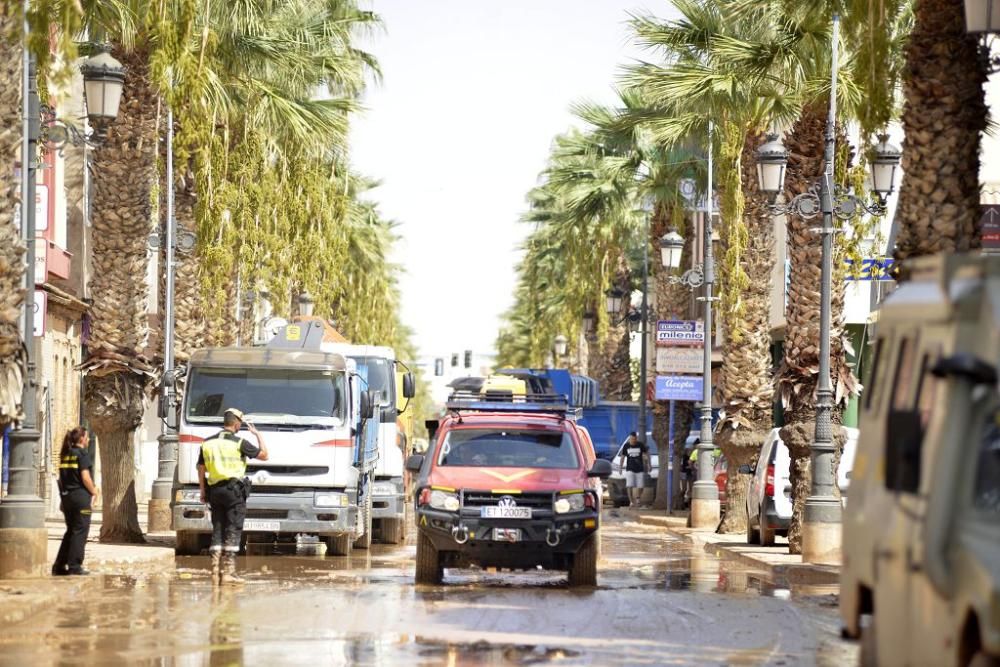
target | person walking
x=76, y=493
x=222, y=465
x=635, y=460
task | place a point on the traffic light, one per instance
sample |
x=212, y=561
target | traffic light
x=468, y=358
x=454, y=359
x=439, y=367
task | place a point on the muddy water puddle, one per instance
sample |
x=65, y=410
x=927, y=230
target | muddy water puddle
x=659, y=601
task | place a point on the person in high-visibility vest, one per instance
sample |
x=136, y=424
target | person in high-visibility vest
x=222, y=465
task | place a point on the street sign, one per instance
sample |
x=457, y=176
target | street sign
x=680, y=332
x=679, y=388
x=991, y=228
x=683, y=360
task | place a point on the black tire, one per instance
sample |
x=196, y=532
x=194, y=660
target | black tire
x=583, y=567
x=365, y=541
x=767, y=531
x=429, y=570
x=753, y=534
x=393, y=531
x=189, y=543
x=337, y=545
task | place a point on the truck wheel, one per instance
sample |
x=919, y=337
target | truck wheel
x=583, y=567
x=365, y=541
x=429, y=570
x=189, y=543
x=337, y=545
x=766, y=530
x=393, y=531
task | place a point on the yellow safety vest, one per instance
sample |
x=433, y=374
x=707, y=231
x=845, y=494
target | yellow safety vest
x=223, y=458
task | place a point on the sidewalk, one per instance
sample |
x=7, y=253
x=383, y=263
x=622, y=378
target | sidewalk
x=775, y=560
x=22, y=598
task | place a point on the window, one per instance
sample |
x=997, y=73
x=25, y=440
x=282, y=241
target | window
x=904, y=374
x=379, y=377
x=267, y=395
x=874, y=373
x=508, y=449
x=986, y=483
x=927, y=391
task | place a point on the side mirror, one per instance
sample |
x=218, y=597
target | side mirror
x=903, y=447
x=746, y=469
x=601, y=468
x=965, y=365
x=409, y=386
x=367, y=406
x=415, y=462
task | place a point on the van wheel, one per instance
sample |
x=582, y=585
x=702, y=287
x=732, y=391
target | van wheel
x=365, y=541
x=583, y=567
x=766, y=530
x=869, y=645
x=337, y=545
x=753, y=534
x=393, y=531
x=190, y=543
x=429, y=570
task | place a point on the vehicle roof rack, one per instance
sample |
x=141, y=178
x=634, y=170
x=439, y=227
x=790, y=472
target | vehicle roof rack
x=506, y=401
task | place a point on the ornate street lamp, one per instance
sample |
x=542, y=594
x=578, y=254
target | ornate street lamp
x=982, y=15
x=103, y=80
x=614, y=299
x=560, y=345
x=671, y=247
x=822, y=516
x=588, y=321
x=306, y=304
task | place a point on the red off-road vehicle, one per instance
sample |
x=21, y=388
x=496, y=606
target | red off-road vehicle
x=510, y=485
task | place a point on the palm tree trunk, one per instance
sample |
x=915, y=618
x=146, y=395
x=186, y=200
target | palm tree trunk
x=118, y=372
x=943, y=115
x=746, y=383
x=11, y=246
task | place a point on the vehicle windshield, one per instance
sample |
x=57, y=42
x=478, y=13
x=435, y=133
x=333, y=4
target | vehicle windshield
x=379, y=376
x=267, y=395
x=508, y=449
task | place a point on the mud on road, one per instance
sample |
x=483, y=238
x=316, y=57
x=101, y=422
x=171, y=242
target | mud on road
x=659, y=602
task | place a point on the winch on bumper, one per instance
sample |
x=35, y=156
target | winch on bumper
x=547, y=538
x=276, y=510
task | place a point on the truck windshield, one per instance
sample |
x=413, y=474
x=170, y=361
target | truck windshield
x=379, y=375
x=508, y=449
x=266, y=395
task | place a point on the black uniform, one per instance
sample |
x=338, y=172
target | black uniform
x=228, y=499
x=76, y=502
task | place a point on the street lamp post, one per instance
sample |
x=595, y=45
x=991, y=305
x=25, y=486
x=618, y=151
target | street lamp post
x=822, y=516
x=23, y=538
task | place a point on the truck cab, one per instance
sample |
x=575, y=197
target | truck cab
x=920, y=582
x=377, y=368
x=312, y=410
x=508, y=484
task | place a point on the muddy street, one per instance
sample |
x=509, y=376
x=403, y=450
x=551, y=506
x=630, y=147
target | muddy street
x=659, y=601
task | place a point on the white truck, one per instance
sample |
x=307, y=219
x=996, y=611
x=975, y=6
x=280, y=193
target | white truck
x=314, y=411
x=377, y=368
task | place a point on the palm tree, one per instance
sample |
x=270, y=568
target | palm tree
x=944, y=114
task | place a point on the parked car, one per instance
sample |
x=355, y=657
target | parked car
x=720, y=472
x=615, y=485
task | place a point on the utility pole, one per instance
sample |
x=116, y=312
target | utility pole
x=644, y=330
x=23, y=538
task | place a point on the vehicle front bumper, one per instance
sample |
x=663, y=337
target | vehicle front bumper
x=274, y=513
x=530, y=550
x=389, y=506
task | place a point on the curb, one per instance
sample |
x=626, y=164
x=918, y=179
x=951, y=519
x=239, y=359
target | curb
x=790, y=573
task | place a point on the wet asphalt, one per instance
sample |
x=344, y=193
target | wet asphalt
x=659, y=601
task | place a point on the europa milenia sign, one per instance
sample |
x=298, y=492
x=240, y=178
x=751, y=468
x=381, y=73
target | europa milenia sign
x=680, y=332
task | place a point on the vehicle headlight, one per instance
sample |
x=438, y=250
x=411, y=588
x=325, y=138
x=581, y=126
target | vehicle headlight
x=187, y=496
x=383, y=489
x=442, y=500
x=570, y=503
x=330, y=500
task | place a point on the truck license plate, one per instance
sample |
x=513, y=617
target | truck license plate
x=261, y=525
x=507, y=534
x=494, y=512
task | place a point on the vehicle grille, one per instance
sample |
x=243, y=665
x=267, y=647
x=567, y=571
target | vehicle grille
x=485, y=498
x=266, y=514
